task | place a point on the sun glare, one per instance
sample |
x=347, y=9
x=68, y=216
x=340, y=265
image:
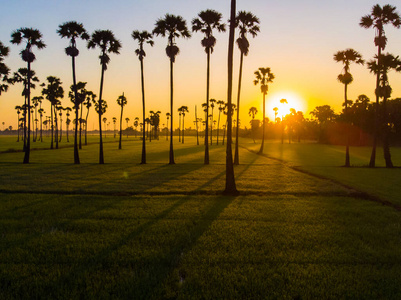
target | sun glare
x=284, y=101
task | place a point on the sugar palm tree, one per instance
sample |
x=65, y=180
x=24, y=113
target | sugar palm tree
x=207, y=21
x=4, y=70
x=184, y=109
x=347, y=57
x=31, y=37
x=212, y=104
x=114, y=126
x=142, y=38
x=275, y=109
x=173, y=27
x=78, y=94
x=231, y=188
x=67, y=121
x=282, y=101
x=122, y=101
x=18, y=108
x=252, y=113
x=90, y=99
x=387, y=62
x=168, y=117
x=53, y=92
x=127, y=120
x=263, y=77
x=73, y=31
x=246, y=22
x=105, y=40
x=105, y=128
x=220, y=104
x=379, y=17
x=36, y=101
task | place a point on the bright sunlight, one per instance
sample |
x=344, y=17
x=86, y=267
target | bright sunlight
x=293, y=100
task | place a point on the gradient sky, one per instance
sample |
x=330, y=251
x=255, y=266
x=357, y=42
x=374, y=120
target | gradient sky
x=297, y=41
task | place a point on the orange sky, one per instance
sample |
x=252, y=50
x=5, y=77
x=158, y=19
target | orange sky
x=297, y=41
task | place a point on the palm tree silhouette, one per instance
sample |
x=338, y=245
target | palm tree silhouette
x=105, y=40
x=172, y=27
x=220, y=103
x=36, y=101
x=114, y=123
x=73, y=30
x=231, y=188
x=78, y=95
x=275, y=114
x=127, y=120
x=179, y=123
x=68, y=121
x=246, y=23
x=347, y=57
x=142, y=38
x=53, y=92
x=252, y=112
x=168, y=116
x=207, y=21
x=263, y=77
x=105, y=128
x=282, y=101
x=184, y=109
x=379, y=17
x=18, y=109
x=32, y=37
x=388, y=62
x=122, y=101
x=212, y=104
x=89, y=100
x=4, y=70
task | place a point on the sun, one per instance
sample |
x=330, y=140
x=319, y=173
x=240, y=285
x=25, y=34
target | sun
x=283, y=101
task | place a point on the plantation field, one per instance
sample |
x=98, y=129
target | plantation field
x=159, y=231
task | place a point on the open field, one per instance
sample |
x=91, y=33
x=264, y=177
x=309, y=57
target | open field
x=154, y=231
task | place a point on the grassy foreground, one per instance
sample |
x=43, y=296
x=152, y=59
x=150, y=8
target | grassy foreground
x=155, y=231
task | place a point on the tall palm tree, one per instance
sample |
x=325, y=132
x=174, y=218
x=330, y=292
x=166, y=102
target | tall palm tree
x=53, y=92
x=4, y=70
x=142, y=38
x=207, y=21
x=78, y=94
x=231, y=188
x=73, y=30
x=105, y=40
x=31, y=37
x=246, y=22
x=388, y=62
x=122, y=101
x=379, y=17
x=173, y=27
x=347, y=57
x=263, y=77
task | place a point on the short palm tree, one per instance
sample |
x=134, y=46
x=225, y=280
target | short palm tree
x=379, y=17
x=31, y=37
x=246, y=22
x=122, y=101
x=263, y=77
x=387, y=62
x=90, y=99
x=114, y=128
x=172, y=27
x=4, y=70
x=347, y=57
x=53, y=92
x=231, y=188
x=207, y=21
x=78, y=94
x=127, y=120
x=73, y=31
x=105, y=40
x=142, y=38
x=168, y=117
x=220, y=104
x=184, y=109
x=252, y=113
x=282, y=101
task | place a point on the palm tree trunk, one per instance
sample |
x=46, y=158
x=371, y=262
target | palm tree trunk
x=76, y=153
x=347, y=159
x=179, y=127
x=236, y=155
x=231, y=188
x=183, y=129
x=121, y=125
x=196, y=122
x=80, y=128
x=28, y=142
x=56, y=126
x=206, y=160
x=25, y=116
x=263, y=124
x=386, y=144
x=171, y=158
x=41, y=137
x=376, y=130
x=218, y=127
x=52, y=126
x=101, y=157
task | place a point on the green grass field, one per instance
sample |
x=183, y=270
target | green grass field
x=303, y=227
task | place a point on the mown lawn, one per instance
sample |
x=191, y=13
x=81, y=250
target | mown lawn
x=128, y=231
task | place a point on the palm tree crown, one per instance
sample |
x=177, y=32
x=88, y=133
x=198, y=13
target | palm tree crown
x=32, y=37
x=263, y=77
x=142, y=38
x=347, y=57
x=379, y=17
x=173, y=27
x=72, y=30
x=207, y=21
x=246, y=23
x=105, y=40
x=4, y=70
